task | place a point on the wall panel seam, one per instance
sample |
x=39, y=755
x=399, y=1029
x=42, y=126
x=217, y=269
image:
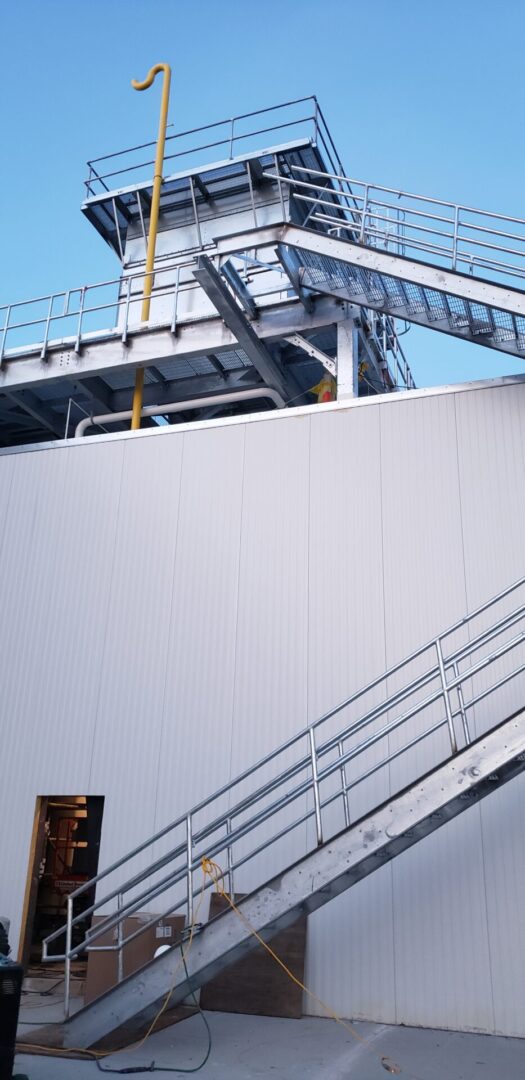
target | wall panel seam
x=106, y=622
x=236, y=632
x=6, y=515
x=169, y=636
x=479, y=808
x=385, y=664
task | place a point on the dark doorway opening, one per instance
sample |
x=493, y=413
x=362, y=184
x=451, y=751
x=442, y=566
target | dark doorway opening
x=64, y=854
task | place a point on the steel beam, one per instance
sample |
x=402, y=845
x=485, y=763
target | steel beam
x=186, y=389
x=237, y=285
x=223, y=301
x=98, y=392
x=311, y=350
x=155, y=344
x=37, y=409
x=478, y=290
x=347, y=360
x=201, y=187
x=366, y=350
x=419, y=273
x=291, y=264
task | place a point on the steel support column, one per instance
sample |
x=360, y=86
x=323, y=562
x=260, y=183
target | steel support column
x=347, y=359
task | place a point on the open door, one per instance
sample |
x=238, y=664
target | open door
x=64, y=853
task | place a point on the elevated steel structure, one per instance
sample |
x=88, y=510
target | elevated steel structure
x=72, y=355
x=273, y=269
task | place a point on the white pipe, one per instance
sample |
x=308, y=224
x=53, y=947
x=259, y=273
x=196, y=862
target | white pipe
x=181, y=406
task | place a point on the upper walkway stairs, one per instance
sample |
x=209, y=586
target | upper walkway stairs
x=290, y=817
x=450, y=268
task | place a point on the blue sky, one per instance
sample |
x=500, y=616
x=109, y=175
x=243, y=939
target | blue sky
x=418, y=94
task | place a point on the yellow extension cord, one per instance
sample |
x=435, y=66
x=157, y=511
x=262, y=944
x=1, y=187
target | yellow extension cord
x=212, y=870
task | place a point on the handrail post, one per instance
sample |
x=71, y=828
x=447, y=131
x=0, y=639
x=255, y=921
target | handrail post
x=344, y=791
x=230, y=860
x=189, y=869
x=461, y=700
x=120, y=958
x=46, y=331
x=315, y=780
x=231, y=136
x=67, y=960
x=175, y=303
x=279, y=185
x=455, y=241
x=363, y=217
x=126, y=312
x=446, y=696
x=91, y=174
x=80, y=313
x=4, y=333
x=316, y=118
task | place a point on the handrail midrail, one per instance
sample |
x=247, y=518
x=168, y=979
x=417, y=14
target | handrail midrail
x=407, y=222
x=451, y=676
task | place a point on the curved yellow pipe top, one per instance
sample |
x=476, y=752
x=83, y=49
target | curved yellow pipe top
x=154, y=215
x=155, y=70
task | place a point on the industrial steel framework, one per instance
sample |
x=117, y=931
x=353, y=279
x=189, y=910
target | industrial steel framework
x=275, y=270
x=67, y=356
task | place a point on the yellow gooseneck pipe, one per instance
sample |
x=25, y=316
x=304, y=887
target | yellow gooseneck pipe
x=154, y=218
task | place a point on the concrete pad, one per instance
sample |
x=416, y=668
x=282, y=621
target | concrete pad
x=37, y=1011
x=247, y=1047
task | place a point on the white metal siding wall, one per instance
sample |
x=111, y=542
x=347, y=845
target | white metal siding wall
x=173, y=606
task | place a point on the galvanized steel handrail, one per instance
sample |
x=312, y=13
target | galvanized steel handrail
x=73, y=305
x=96, y=180
x=413, y=221
x=325, y=756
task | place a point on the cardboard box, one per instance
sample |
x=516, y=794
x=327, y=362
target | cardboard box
x=102, y=967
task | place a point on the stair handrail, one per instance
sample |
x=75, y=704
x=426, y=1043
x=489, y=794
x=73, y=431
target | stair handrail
x=361, y=205
x=309, y=762
x=288, y=743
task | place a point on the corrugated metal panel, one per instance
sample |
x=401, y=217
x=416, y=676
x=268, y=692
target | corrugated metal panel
x=491, y=441
x=439, y=907
x=350, y=950
x=198, y=696
x=271, y=649
x=176, y=605
x=129, y=706
x=56, y=574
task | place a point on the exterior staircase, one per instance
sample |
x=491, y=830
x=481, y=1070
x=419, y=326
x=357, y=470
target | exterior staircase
x=460, y=695
x=448, y=267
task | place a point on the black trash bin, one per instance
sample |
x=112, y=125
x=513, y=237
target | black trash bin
x=11, y=978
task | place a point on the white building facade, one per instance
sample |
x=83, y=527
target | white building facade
x=177, y=602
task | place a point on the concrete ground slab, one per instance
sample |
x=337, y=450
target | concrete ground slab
x=248, y=1047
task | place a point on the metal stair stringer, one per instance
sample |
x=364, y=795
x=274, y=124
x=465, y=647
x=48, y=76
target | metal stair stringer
x=439, y=298
x=428, y=803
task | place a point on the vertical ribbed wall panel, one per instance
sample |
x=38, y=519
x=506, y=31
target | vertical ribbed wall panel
x=128, y=718
x=56, y=576
x=442, y=966
x=491, y=438
x=198, y=700
x=350, y=959
x=271, y=650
